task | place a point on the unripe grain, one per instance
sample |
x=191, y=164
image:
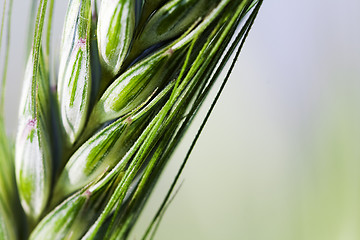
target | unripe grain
x=72, y=218
x=105, y=149
x=115, y=32
x=132, y=88
x=171, y=20
x=74, y=82
x=58, y=224
x=33, y=161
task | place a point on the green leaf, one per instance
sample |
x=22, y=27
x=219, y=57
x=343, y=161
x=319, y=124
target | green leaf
x=7, y=177
x=7, y=224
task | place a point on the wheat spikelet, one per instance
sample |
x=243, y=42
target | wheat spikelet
x=158, y=60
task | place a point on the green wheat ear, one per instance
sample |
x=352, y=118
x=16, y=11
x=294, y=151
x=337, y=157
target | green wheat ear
x=158, y=60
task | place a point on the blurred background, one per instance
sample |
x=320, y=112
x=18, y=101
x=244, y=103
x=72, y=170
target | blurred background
x=280, y=155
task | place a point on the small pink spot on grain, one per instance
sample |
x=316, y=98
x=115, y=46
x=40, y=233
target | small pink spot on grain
x=170, y=51
x=129, y=120
x=87, y=194
x=81, y=43
x=31, y=123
